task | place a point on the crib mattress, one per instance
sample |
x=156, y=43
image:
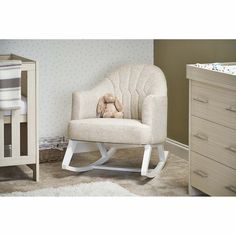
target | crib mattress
x=23, y=107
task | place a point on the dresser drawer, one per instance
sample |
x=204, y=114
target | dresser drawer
x=214, y=141
x=211, y=177
x=214, y=104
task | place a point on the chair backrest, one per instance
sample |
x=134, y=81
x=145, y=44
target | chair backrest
x=132, y=83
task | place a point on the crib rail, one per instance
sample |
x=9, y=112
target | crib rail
x=7, y=119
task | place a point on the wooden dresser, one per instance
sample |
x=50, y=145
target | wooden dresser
x=212, y=131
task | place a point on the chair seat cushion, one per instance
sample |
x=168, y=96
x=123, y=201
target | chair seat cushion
x=110, y=130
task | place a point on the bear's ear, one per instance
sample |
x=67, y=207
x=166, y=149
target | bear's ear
x=101, y=107
x=118, y=105
x=107, y=97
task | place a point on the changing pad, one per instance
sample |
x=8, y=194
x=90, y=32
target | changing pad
x=23, y=107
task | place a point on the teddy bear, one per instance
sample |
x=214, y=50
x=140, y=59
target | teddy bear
x=109, y=106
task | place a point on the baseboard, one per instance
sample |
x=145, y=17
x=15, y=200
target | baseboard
x=178, y=144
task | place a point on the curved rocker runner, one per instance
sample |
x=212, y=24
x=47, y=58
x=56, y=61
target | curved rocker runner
x=107, y=154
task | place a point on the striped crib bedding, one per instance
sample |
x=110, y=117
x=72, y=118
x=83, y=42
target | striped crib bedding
x=10, y=84
x=23, y=107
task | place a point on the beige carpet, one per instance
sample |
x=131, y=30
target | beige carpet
x=97, y=189
x=171, y=182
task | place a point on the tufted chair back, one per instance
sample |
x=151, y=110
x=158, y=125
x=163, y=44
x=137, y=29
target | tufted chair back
x=132, y=83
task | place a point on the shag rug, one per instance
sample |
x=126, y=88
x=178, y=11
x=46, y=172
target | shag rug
x=89, y=189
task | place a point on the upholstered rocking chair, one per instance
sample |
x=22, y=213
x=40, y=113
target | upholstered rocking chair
x=143, y=92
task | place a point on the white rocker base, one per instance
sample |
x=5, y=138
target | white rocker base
x=107, y=154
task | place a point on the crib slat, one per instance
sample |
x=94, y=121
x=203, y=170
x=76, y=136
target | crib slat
x=15, y=134
x=30, y=113
x=31, y=120
x=31, y=117
x=1, y=134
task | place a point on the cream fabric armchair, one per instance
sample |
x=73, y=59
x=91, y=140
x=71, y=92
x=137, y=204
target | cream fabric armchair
x=142, y=89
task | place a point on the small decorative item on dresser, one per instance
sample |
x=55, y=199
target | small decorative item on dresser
x=212, y=129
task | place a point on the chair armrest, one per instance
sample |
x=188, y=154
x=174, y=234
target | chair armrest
x=154, y=114
x=84, y=104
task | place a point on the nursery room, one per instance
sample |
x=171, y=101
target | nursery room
x=117, y=117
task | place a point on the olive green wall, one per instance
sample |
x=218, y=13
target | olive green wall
x=172, y=56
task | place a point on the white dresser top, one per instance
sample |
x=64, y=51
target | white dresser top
x=227, y=68
x=218, y=74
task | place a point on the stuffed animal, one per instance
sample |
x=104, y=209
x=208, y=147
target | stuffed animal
x=109, y=107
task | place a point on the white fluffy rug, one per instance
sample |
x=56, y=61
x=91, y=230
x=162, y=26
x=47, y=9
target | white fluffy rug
x=91, y=189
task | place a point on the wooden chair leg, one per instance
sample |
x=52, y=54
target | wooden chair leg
x=105, y=156
x=69, y=153
x=151, y=173
x=146, y=159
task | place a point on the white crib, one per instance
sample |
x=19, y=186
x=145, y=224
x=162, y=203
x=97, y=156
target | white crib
x=18, y=128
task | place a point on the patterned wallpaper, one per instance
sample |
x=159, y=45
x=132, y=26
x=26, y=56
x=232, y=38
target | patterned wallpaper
x=69, y=65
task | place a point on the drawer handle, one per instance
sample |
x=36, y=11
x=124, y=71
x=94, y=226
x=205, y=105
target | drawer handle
x=230, y=109
x=231, y=148
x=200, y=100
x=201, y=136
x=200, y=173
x=231, y=188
